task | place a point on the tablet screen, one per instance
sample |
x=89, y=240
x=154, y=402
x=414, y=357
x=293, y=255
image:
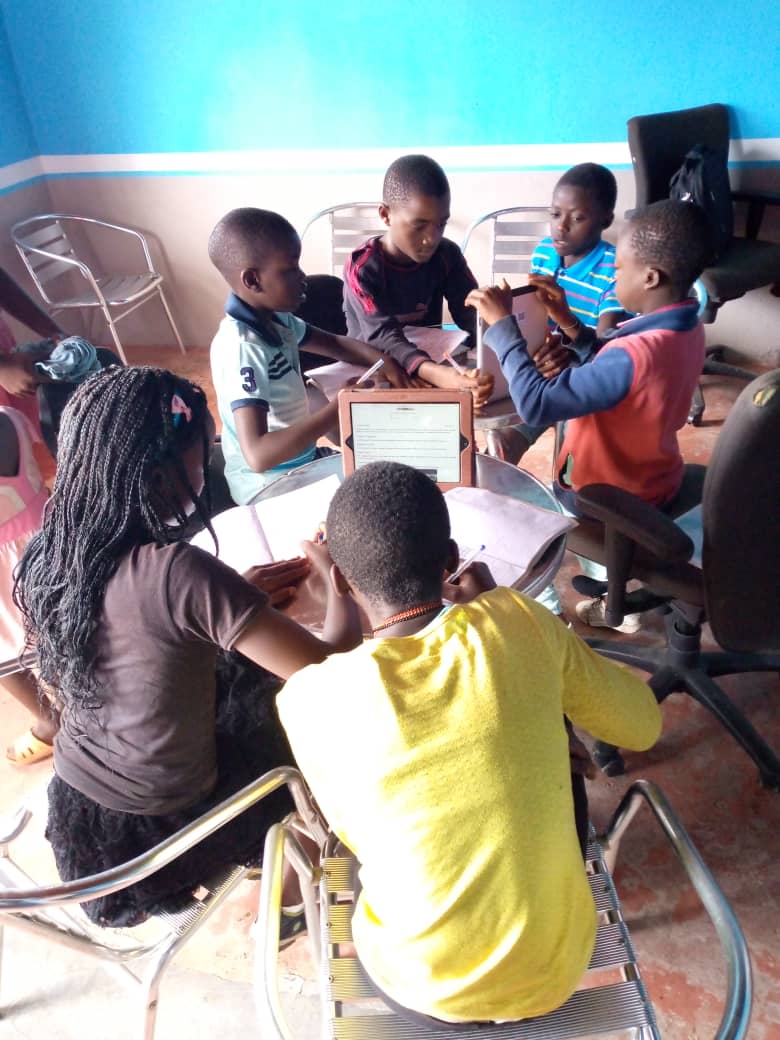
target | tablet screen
x=425, y=435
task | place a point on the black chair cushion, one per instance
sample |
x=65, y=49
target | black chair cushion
x=746, y=264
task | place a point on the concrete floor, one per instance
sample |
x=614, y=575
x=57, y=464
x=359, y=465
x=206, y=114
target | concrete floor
x=709, y=780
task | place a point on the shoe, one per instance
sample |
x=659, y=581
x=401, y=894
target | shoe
x=506, y=444
x=592, y=612
x=292, y=923
x=27, y=749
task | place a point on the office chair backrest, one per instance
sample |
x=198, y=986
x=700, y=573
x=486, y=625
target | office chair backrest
x=659, y=142
x=741, y=519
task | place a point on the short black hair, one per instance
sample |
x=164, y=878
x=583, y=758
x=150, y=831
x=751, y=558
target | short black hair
x=675, y=237
x=388, y=533
x=414, y=175
x=597, y=181
x=244, y=237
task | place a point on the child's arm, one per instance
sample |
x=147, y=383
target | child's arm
x=447, y=378
x=17, y=373
x=344, y=348
x=458, y=284
x=279, y=644
x=263, y=450
x=20, y=306
x=574, y=392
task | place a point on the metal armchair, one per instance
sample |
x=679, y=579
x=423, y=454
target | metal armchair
x=38, y=909
x=48, y=254
x=351, y=223
x=514, y=234
x=351, y=1008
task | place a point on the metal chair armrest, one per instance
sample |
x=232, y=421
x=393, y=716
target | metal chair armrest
x=86, y=889
x=736, y=1012
x=117, y=227
x=11, y=827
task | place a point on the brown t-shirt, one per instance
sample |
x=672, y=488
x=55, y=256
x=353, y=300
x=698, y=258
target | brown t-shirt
x=150, y=748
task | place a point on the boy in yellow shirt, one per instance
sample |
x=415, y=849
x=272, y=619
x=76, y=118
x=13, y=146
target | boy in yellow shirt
x=453, y=764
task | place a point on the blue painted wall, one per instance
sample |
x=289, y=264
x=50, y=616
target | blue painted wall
x=16, y=137
x=170, y=75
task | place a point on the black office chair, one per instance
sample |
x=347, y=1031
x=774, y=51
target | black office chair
x=735, y=590
x=658, y=146
x=323, y=307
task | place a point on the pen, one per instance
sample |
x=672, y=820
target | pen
x=466, y=563
x=458, y=368
x=370, y=371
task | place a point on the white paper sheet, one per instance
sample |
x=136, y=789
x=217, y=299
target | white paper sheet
x=242, y=543
x=287, y=520
x=514, y=533
x=331, y=378
x=436, y=341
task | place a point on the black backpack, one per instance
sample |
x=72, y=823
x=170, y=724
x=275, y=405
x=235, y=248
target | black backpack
x=703, y=178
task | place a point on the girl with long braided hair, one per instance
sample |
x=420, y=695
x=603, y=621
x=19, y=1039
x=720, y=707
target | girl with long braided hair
x=128, y=621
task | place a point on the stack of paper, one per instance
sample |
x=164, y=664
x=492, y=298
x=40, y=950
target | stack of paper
x=514, y=533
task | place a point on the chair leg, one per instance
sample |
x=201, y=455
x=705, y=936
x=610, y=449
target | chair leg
x=114, y=334
x=710, y=695
x=697, y=407
x=150, y=986
x=170, y=319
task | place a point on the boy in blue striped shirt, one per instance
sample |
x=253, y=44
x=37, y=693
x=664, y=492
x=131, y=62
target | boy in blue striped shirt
x=583, y=206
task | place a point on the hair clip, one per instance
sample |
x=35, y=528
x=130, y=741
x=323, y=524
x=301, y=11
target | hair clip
x=179, y=409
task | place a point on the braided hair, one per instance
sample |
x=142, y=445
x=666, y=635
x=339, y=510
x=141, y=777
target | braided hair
x=120, y=482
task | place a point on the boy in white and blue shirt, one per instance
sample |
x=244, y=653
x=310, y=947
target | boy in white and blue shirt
x=255, y=362
x=583, y=206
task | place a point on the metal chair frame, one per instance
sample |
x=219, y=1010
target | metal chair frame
x=351, y=223
x=37, y=909
x=352, y=1010
x=512, y=241
x=45, y=249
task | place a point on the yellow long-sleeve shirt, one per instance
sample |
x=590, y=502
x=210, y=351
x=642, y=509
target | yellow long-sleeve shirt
x=441, y=759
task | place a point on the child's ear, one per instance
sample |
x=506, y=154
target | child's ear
x=608, y=219
x=453, y=556
x=339, y=582
x=250, y=279
x=653, y=277
x=384, y=213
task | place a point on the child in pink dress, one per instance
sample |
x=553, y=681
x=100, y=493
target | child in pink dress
x=23, y=496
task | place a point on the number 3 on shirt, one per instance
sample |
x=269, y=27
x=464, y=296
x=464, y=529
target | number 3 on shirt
x=249, y=384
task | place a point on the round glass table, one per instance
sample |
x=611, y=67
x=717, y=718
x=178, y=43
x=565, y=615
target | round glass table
x=490, y=474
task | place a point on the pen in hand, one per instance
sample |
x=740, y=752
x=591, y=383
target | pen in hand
x=466, y=563
x=370, y=371
x=458, y=368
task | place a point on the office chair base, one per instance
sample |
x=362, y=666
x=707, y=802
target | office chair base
x=694, y=677
x=714, y=365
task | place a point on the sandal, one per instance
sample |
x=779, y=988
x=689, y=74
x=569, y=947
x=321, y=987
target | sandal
x=27, y=749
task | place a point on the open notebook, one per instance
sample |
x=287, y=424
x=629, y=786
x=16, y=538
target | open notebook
x=272, y=529
x=514, y=533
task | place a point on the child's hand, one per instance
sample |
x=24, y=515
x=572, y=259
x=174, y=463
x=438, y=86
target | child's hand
x=479, y=383
x=318, y=557
x=553, y=299
x=278, y=580
x=18, y=375
x=395, y=374
x=493, y=302
x=475, y=580
x=551, y=358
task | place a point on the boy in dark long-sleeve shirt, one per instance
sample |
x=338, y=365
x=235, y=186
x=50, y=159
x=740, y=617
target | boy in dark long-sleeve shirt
x=402, y=277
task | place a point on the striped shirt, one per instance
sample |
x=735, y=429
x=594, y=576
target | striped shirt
x=589, y=284
x=249, y=371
